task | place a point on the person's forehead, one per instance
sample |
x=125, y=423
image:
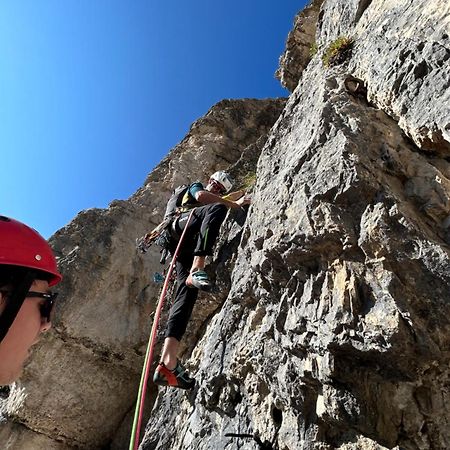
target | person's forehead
x=41, y=285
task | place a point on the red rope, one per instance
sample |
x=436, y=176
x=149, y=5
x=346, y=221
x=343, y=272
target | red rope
x=149, y=357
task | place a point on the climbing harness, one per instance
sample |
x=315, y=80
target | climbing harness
x=163, y=233
x=137, y=422
x=181, y=201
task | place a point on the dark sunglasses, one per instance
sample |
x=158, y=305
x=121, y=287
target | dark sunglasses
x=219, y=186
x=46, y=307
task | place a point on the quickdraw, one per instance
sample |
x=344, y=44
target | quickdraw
x=145, y=242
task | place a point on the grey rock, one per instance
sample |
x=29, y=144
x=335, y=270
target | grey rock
x=330, y=324
x=401, y=51
x=335, y=331
x=299, y=46
x=82, y=381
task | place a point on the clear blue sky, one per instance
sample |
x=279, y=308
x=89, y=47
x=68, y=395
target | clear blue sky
x=94, y=93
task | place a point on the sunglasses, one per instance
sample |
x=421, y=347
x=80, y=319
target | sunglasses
x=46, y=307
x=221, y=189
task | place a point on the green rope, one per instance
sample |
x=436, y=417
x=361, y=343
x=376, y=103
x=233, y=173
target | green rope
x=141, y=386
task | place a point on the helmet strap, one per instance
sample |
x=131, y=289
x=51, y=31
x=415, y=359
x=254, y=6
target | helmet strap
x=15, y=302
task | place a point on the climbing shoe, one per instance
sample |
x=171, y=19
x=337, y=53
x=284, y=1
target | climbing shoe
x=199, y=280
x=177, y=377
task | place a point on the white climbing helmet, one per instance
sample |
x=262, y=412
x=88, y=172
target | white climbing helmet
x=223, y=178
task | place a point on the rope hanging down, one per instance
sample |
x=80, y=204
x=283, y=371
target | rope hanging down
x=137, y=422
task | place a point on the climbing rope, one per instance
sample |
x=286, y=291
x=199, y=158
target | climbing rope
x=139, y=411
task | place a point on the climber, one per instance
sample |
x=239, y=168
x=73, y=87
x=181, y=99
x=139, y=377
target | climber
x=27, y=271
x=198, y=243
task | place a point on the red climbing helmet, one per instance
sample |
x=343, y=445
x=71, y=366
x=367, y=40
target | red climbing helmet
x=22, y=246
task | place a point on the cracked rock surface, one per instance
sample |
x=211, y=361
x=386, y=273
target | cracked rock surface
x=336, y=329
x=82, y=381
x=329, y=327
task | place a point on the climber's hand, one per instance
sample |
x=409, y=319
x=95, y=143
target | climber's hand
x=244, y=200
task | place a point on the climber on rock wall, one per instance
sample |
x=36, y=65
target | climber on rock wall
x=27, y=272
x=198, y=242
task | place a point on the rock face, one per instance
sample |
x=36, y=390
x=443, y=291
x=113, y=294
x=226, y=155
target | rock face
x=330, y=327
x=336, y=329
x=82, y=381
x=300, y=46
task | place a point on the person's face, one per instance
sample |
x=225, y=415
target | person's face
x=215, y=187
x=24, y=332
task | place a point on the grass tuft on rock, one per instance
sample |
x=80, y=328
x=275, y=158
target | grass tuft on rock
x=248, y=181
x=313, y=49
x=338, y=51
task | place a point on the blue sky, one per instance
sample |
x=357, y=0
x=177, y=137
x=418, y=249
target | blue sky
x=94, y=93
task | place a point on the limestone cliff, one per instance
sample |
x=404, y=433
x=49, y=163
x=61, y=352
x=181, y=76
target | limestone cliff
x=330, y=327
x=335, y=332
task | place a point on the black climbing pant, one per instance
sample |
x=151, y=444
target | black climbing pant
x=199, y=240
